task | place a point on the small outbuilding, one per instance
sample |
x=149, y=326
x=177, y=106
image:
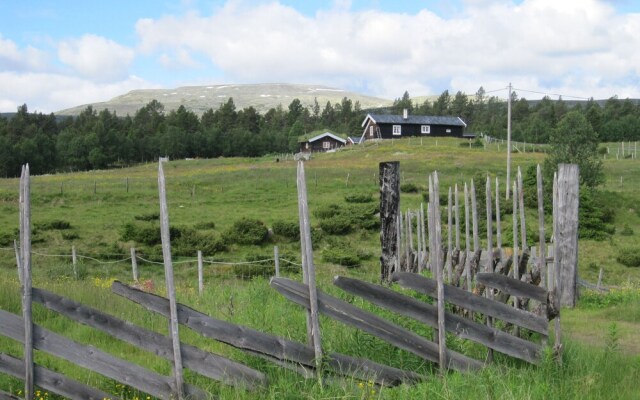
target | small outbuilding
x=385, y=126
x=325, y=141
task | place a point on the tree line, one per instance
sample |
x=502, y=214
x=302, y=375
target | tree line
x=98, y=140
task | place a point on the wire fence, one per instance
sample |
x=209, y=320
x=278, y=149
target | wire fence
x=232, y=269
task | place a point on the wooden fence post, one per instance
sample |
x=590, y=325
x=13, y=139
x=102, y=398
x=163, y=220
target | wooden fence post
x=498, y=222
x=542, y=262
x=25, y=241
x=200, y=274
x=467, y=266
x=74, y=260
x=516, y=263
x=474, y=214
x=567, y=239
x=449, y=235
x=134, y=264
x=389, y=210
x=276, y=259
x=305, y=223
x=523, y=225
x=457, y=215
x=434, y=196
x=171, y=289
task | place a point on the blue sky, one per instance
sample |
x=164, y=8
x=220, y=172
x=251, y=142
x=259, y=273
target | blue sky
x=58, y=54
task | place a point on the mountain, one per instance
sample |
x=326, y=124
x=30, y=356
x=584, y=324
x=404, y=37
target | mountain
x=200, y=98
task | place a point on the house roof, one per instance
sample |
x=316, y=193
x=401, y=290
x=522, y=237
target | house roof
x=414, y=120
x=354, y=139
x=321, y=136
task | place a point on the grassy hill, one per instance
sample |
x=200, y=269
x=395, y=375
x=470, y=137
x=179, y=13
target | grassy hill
x=95, y=211
x=200, y=98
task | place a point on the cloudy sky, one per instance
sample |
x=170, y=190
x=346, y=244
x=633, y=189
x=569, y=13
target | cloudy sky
x=58, y=54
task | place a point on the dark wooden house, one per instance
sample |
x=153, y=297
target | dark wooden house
x=384, y=126
x=323, y=142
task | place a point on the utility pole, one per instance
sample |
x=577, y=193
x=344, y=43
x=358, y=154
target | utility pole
x=508, y=142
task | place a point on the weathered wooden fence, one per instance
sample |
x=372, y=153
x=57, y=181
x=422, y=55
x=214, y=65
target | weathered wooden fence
x=477, y=290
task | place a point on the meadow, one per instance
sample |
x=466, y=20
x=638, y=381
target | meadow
x=99, y=212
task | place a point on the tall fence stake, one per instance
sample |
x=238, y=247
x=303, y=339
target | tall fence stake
x=438, y=266
x=25, y=241
x=567, y=249
x=276, y=258
x=134, y=264
x=200, y=274
x=171, y=289
x=389, y=217
x=74, y=260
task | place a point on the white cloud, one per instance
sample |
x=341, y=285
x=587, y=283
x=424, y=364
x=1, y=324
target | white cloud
x=12, y=57
x=548, y=44
x=50, y=92
x=96, y=57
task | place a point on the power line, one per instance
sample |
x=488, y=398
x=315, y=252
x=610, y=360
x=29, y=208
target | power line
x=552, y=94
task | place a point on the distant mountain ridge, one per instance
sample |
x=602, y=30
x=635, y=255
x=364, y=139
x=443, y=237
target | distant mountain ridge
x=201, y=98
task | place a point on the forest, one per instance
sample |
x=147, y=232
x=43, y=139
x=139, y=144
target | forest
x=99, y=140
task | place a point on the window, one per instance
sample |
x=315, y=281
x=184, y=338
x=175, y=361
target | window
x=425, y=129
x=448, y=130
x=397, y=129
x=371, y=131
x=306, y=145
x=326, y=145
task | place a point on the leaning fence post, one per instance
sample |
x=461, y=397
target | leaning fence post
x=474, y=214
x=498, y=222
x=599, y=284
x=449, y=236
x=74, y=260
x=171, y=290
x=276, y=259
x=134, y=264
x=200, y=274
x=25, y=241
x=389, y=210
x=489, y=266
x=567, y=252
x=516, y=263
x=467, y=266
x=305, y=234
x=523, y=224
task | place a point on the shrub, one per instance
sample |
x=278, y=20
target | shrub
x=56, y=224
x=247, y=231
x=409, y=188
x=143, y=234
x=70, y=235
x=205, y=225
x=336, y=225
x=286, y=229
x=327, y=211
x=358, y=198
x=189, y=241
x=148, y=217
x=629, y=256
x=341, y=256
x=6, y=239
x=626, y=230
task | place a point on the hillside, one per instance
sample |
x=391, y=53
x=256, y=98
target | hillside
x=200, y=98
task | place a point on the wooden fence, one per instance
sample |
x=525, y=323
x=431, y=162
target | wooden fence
x=476, y=290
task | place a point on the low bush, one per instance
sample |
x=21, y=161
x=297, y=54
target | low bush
x=358, y=198
x=147, y=217
x=626, y=230
x=336, y=225
x=247, y=231
x=189, y=241
x=409, y=188
x=327, y=211
x=629, y=256
x=341, y=256
x=205, y=225
x=56, y=224
x=287, y=229
x=6, y=239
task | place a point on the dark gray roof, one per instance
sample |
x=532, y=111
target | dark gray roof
x=417, y=120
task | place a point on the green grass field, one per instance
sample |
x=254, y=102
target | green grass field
x=602, y=348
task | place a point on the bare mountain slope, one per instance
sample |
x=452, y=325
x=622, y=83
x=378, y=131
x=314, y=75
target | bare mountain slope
x=200, y=98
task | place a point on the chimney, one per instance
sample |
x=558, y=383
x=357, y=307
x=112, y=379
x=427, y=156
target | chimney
x=405, y=113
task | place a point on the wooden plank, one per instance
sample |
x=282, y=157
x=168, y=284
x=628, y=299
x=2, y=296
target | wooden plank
x=207, y=364
x=94, y=359
x=389, y=210
x=52, y=381
x=373, y=324
x=265, y=344
x=427, y=314
x=473, y=302
x=513, y=287
x=8, y=396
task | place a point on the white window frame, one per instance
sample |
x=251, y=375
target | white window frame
x=448, y=130
x=371, y=130
x=397, y=130
x=326, y=144
x=425, y=129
